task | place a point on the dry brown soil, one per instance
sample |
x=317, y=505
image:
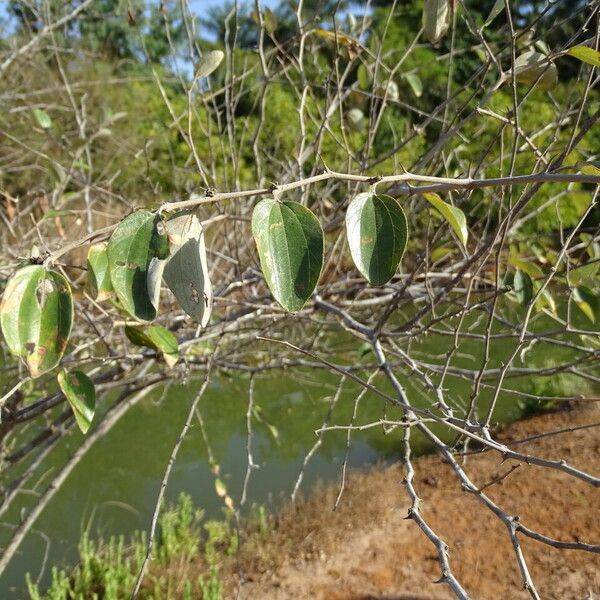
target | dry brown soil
x=367, y=550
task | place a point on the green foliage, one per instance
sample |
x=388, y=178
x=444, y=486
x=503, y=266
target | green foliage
x=289, y=239
x=99, y=284
x=377, y=234
x=454, y=216
x=186, y=270
x=36, y=316
x=132, y=246
x=157, y=338
x=79, y=391
x=109, y=570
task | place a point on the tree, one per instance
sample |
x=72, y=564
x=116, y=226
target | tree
x=379, y=180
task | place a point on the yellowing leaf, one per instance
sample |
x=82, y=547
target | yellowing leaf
x=455, y=217
x=585, y=54
x=587, y=302
x=36, y=316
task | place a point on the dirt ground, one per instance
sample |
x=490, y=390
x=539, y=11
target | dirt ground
x=366, y=550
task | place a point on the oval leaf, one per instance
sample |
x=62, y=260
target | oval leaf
x=415, y=83
x=533, y=67
x=377, y=234
x=157, y=338
x=99, y=284
x=186, y=271
x=79, y=391
x=522, y=287
x=43, y=118
x=587, y=302
x=494, y=12
x=436, y=19
x=36, y=316
x=454, y=216
x=290, y=243
x=585, y=54
x=209, y=63
x=131, y=248
x=591, y=167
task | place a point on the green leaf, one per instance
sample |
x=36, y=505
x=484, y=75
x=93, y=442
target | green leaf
x=186, y=271
x=99, y=284
x=436, y=19
x=591, y=167
x=440, y=253
x=269, y=19
x=36, y=316
x=157, y=338
x=79, y=391
x=289, y=239
x=585, y=54
x=220, y=488
x=528, y=267
x=415, y=83
x=43, y=118
x=533, y=67
x=584, y=274
x=545, y=299
x=131, y=248
x=587, y=301
x=208, y=63
x=454, y=216
x=496, y=10
x=523, y=287
x=377, y=234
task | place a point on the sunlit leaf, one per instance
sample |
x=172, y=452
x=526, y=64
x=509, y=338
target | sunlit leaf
x=542, y=47
x=415, y=83
x=353, y=47
x=545, y=299
x=289, y=239
x=186, y=270
x=585, y=274
x=220, y=488
x=377, y=233
x=36, y=315
x=80, y=392
x=99, y=284
x=356, y=119
x=454, y=216
x=436, y=19
x=585, y=54
x=131, y=248
x=496, y=10
x=156, y=338
x=526, y=266
x=533, y=67
x=440, y=253
x=591, y=167
x=209, y=63
x=587, y=301
x=43, y=118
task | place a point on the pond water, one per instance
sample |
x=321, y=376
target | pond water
x=113, y=489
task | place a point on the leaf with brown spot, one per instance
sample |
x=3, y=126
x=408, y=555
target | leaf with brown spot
x=36, y=316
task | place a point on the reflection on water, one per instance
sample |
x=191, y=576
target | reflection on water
x=114, y=488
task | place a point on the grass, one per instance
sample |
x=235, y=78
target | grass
x=185, y=546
